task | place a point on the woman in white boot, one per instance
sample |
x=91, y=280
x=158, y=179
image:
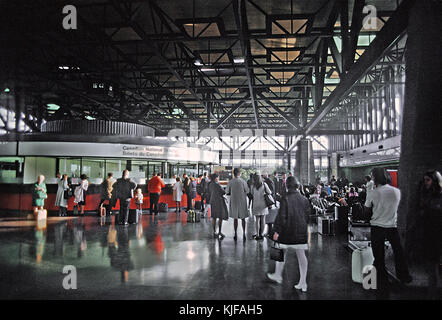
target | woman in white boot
x=290, y=230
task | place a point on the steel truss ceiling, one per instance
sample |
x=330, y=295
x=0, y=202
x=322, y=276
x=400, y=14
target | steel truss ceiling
x=283, y=65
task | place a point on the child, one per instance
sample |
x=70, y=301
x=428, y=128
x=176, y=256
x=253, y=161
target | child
x=139, y=199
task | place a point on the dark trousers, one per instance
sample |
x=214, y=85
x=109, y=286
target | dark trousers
x=378, y=237
x=189, y=201
x=124, y=210
x=154, y=198
x=202, y=202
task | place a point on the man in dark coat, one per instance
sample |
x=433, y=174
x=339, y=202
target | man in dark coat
x=123, y=190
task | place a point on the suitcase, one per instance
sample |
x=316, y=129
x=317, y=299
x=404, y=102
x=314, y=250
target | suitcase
x=133, y=216
x=197, y=205
x=359, y=259
x=163, y=207
x=326, y=226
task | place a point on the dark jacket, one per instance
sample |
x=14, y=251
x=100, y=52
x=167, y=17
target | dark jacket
x=122, y=189
x=217, y=203
x=271, y=185
x=292, y=218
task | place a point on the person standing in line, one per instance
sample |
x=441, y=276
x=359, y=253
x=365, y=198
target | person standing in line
x=39, y=194
x=290, y=230
x=275, y=181
x=186, y=189
x=369, y=185
x=124, y=191
x=259, y=206
x=203, y=185
x=430, y=205
x=106, y=189
x=238, y=190
x=154, y=186
x=60, y=200
x=218, y=205
x=177, y=194
x=80, y=193
x=272, y=188
x=384, y=202
x=282, y=186
x=193, y=191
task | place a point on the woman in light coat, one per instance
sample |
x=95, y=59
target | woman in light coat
x=80, y=192
x=259, y=207
x=238, y=190
x=60, y=200
x=177, y=194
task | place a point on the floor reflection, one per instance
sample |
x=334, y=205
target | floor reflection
x=163, y=257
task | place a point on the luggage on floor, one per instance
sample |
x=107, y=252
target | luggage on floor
x=197, y=205
x=133, y=216
x=359, y=259
x=326, y=226
x=163, y=207
x=193, y=216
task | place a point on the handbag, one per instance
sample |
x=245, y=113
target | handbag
x=276, y=253
x=268, y=199
x=67, y=193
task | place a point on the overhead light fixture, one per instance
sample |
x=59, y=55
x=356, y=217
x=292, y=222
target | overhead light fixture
x=198, y=63
x=53, y=106
x=7, y=90
x=207, y=69
x=89, y=118
x=65, y=67
x=238, y=60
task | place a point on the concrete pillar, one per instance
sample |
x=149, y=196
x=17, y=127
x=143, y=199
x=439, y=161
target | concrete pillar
x=305, y=169
x=333, y=165
x=421, y=136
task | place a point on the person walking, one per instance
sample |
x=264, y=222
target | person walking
x=123, y=190
x=259, y=206
x=177, y=194
x=384, y=202
x=154, y=187
x=60, y=201
x=290, y=231
x=80, y=193
x=218, y=205
x=238, y=190
x=430, y=205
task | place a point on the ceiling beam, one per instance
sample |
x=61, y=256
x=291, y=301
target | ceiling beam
x=394, y=28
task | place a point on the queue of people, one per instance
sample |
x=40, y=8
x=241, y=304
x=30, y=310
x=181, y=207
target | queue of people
x=379, y=198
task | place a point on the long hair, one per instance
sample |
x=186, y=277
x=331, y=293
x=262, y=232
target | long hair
x=380, y=176
x=257, y=181
x=436, y=182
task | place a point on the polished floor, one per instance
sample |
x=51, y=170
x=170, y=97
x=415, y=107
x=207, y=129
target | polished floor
x=164, y=257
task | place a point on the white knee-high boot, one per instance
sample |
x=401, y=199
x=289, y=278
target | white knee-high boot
x=303, y=265
x=279, y=267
